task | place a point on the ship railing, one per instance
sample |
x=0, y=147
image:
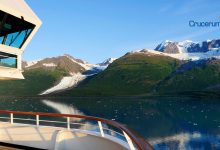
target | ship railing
x=133, y=140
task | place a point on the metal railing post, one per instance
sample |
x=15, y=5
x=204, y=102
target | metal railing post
x=130, y=143
x=12, y=118
x=68, y=123
x=101, y=129
x=37, y=120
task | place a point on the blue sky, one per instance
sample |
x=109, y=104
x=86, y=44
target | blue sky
x=94, y=30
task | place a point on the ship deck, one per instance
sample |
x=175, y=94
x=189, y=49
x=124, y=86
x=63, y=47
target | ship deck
x=44, y=137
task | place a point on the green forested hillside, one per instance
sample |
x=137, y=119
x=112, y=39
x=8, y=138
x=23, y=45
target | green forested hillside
x=35, y=81
x=132, y=74
x=205, y=77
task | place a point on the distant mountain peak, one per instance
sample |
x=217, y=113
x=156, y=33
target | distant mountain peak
x=188, y=46
x=68, y=63
x=107, y=62
x=75, y=59
x=185, y=50
x=185, y=42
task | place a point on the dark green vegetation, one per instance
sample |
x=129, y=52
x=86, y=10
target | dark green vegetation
x=204, y=77
x=36, y=81
x=144, y=74
x=134, y=74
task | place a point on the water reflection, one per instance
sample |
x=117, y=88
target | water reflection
x=70, y=109
x=168, y=123
x=187, y=141
x=64, y=109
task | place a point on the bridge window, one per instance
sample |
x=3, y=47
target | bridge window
x=14, y=31
x=8, y=60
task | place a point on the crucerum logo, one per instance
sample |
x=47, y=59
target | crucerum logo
x=195, y=23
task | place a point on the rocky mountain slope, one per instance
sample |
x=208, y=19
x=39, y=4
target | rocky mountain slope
x=67, y=63
x=188, y=46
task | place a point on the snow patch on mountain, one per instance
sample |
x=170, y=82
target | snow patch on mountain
x=66, y=83
x=184, y=56
x=189, y=50
x=163, y=44
x=183, y=46
x=174, y=47
x=196, y=56
x=107, y=62
x=188, y=46
x=74, y=78
x=87, y=66
x=31, y=63
x=84, y=64
x=49, y=65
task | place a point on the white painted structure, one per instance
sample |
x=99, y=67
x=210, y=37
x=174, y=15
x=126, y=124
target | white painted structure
x=18, y=24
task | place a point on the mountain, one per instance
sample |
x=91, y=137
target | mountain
x=202, y=76
x=78, y=71
x=107, y=62
x=132, y=74
x=67, y=63
x=174, y=68
x=188, y=50
x=50, y=75
x=188, y=46
x=149, y=72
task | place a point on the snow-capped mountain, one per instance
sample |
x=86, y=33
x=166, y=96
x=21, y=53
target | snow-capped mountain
x=188, y=46
x=185, y=50
x=78, y=70
x=182, y=56
x=66, y=62
x=69, y=64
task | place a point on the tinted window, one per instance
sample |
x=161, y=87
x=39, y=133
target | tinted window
x=8, y=60
x=14, y=31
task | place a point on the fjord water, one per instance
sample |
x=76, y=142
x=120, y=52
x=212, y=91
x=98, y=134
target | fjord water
x=166, y=122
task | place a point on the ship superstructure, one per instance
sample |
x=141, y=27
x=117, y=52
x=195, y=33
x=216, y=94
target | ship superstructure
x=18, y=24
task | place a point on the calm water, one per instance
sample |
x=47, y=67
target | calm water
x=167, y=123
